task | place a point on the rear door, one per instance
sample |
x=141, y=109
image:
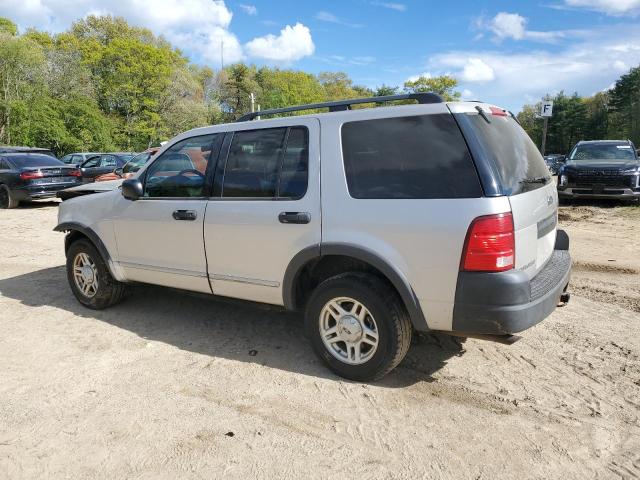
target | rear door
x=522, y=175
x=265, y=210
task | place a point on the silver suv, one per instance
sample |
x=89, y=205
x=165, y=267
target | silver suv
x=374, y=222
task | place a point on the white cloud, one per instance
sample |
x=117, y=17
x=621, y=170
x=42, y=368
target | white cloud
x=331, y=18
x=476, y=70
x=201, y=28
x=585, y=67
x=467, y=95
x=513, y=26
x=249, y=9
x=508, y=25
x=413, y=78
x=292, y=44
x=610, y=7
x=620, y=66
x=399, y=7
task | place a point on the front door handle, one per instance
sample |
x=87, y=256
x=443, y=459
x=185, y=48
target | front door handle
x=185, y=215
x=294, y=217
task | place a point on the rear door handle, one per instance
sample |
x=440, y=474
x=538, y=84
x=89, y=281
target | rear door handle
x=294, y=217
x=185, y=215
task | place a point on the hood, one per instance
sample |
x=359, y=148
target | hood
x=601, y=165
x=89, y=188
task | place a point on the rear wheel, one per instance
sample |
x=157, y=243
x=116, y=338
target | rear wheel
x=358, y=326
x=90, y=279
x=6, y=199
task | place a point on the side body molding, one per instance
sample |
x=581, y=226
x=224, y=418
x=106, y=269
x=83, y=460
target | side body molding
x=392, y=274
x=91, y=235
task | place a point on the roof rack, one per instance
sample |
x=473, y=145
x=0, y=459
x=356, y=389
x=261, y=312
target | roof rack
x=342, y=105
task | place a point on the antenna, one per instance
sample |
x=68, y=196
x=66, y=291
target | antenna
x=222, y=54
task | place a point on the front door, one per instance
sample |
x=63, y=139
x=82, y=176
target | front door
x=265, y=209
x=159, y=236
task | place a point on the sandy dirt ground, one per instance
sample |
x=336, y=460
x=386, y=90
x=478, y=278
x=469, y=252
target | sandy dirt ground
x=174, y=385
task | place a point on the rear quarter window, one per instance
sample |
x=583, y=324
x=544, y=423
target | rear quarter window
x=416, y=157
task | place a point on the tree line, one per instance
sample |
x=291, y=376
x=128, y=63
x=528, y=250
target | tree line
x=105, y=85
x=612, y=114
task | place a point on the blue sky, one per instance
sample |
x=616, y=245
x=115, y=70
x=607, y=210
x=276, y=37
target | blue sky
x=505, y=52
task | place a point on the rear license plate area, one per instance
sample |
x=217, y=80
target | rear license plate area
x=47, y=180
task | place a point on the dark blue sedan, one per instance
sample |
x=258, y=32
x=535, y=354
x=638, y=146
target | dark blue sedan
x=30, y=176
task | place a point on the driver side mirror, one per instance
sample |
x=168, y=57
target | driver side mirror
x=132, y=189
x=118, y=171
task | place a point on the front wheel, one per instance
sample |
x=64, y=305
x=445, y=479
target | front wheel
x=358, y=326
x=89, y=277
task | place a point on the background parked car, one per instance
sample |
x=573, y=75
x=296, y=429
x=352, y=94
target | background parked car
x=131, y=167
x=103, y=163
x=29, y=176
x=13, y=149
x=78, y=158
x=554, y=161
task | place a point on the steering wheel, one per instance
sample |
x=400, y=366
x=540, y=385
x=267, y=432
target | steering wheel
x=190, y=170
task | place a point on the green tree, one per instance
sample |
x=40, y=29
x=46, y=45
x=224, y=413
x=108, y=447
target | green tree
x=7, y=27
x=281, y=88
x=443, y=85
x=240, y=83
x=21, y=79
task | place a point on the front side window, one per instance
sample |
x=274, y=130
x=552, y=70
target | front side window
x=92, y=162
x=412, y=157
x=180, y=170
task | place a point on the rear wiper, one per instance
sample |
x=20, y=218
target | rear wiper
x=536, y=180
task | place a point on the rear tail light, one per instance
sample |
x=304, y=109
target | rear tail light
x=490, y=244
x=31, y=175
x=75, y=173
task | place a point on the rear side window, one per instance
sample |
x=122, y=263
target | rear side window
x=417, y=157
x=267, y=163
x=519, y=164
x=108, y=161
x=295, y=164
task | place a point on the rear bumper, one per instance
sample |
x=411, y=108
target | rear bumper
x=509, y=302
x=41, y=191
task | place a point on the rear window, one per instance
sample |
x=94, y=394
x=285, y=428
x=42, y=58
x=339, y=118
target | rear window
x=417, y=157
x=35, y=160
x=519, y=164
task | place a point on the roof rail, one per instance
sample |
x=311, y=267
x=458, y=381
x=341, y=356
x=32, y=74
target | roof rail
x=341, y=105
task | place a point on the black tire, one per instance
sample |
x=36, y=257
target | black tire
x=109, y=291
x=384, y=304
x=6, y=198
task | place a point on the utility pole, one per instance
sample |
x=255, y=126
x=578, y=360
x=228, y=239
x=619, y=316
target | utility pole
x=545, y=125
x=253, y=101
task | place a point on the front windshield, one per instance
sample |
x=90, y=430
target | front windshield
x=608, y=151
